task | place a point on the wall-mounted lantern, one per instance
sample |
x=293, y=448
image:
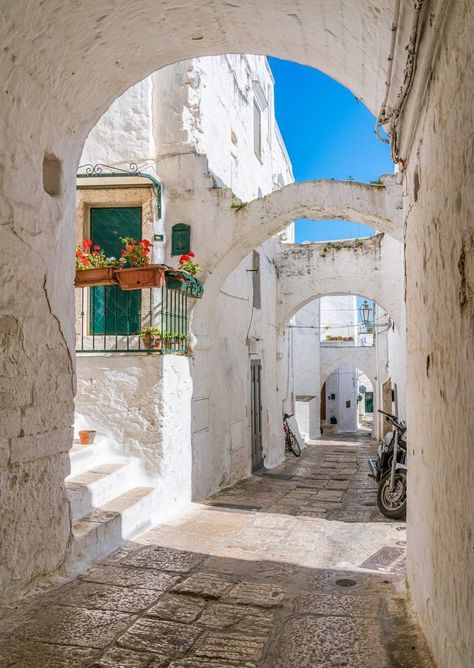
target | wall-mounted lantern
x=365, y=312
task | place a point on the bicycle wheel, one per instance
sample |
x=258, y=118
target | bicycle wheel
x=292, y=443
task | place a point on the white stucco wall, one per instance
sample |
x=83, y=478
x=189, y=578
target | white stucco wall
x=125, y=132
x=343, y=385
x=109, y=50
x=370, y=268
x=202, y=110
x=339, y=316
x=440, y=348
x=140, y=406
x=304, y=327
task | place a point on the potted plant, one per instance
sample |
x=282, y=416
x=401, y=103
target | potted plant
x=186, y=263
x=174, y=340
x=187, y=268
x=93, y=267
x=152, y=338
x=140, y=273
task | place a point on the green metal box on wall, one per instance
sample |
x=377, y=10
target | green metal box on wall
x=180, y=239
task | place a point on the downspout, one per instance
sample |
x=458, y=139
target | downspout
x=388, y=83
x=410, y=68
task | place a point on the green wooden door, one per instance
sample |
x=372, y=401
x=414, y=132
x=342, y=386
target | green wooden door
x=112, y=310
x=369, y=402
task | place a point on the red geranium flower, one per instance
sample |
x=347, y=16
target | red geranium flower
x=191, y=254
x=184, y=258
x=96, y=248
x=87, y=243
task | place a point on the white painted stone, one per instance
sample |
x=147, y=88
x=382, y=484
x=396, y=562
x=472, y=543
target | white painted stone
x=370, y=268
x=50, y=104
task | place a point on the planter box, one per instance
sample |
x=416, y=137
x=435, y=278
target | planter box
x=90, y=277
x=181, y=280
x=137, y=278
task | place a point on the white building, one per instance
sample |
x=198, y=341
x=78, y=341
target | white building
x=194, y=127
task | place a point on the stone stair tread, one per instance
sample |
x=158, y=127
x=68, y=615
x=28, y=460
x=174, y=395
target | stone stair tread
x=109, y=511
x=120, y=503
x=93, y=474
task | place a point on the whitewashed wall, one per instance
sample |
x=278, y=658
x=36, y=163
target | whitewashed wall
x=343, y=385
x=339, y=316
x=435, y=146
x=305, y=353
x=125, y=132
x=199, y=116
x=140, y=406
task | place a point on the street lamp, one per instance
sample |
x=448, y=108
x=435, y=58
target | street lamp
x=365, y=313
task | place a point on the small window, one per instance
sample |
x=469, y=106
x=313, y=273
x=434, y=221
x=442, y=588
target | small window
x=257, y=130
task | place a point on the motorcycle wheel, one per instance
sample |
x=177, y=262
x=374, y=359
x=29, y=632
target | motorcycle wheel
x=393, y=504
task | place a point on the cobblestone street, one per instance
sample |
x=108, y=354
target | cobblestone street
x=291, y=568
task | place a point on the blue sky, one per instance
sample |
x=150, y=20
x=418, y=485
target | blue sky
x=328, y=134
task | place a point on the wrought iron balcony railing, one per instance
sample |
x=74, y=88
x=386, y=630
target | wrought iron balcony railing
x=111, y=320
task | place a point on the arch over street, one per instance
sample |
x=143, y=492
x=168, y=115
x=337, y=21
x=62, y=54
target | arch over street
x=370, y=267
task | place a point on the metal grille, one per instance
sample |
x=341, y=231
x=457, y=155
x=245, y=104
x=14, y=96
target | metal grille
x=387, y=559
x=110, y=320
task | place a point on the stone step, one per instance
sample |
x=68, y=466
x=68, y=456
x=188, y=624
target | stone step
x=85, y=457
x=104, y=529
x=95, y=486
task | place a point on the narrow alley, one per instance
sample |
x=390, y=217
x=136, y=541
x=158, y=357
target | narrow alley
x=293, y=567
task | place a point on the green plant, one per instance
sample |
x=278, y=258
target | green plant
x=178, y=336
x=136, y=254
x=152, y=332
x=186, y=263
x=377, y=182
x=239, y=206
x=93, y=257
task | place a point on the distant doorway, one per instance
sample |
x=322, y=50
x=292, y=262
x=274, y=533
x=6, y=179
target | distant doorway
x=256, y=413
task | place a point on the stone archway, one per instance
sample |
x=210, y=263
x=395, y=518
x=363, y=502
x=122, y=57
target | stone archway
x=372, y=268
x=50, y=103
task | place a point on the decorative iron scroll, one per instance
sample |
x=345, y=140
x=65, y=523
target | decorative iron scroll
x=101, y=169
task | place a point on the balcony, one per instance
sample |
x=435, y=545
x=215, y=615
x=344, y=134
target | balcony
x=153, y=320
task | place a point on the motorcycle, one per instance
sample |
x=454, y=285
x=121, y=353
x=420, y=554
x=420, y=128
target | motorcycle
x=390, y=470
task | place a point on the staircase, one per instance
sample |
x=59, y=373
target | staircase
x=108, y=503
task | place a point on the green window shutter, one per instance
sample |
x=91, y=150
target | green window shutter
x=180, y=239
x=114, y=311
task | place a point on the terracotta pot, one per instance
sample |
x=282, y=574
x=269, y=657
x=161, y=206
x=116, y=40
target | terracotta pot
x=90, y=277
x=152, y=342
x=86, y=436
x=137, y=278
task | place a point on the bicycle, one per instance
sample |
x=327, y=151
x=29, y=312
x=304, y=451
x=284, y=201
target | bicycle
x=291, y=442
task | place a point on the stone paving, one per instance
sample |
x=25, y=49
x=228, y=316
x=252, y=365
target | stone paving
x=267, y=573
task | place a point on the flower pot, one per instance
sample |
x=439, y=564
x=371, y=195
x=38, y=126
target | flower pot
x=98, y=276
x=137, y=278
x=152, y=342
x=86, y=436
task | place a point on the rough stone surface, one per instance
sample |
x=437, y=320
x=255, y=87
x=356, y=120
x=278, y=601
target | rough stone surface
x=307, y=271
x=290, y=589
x=163, y=637
x=439, y=210
x=345, y=40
